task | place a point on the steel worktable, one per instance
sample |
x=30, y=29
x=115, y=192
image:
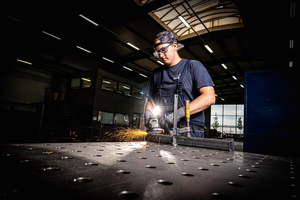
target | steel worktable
x=143, y=170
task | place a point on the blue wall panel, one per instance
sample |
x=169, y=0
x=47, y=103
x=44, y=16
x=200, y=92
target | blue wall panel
x=272, y=112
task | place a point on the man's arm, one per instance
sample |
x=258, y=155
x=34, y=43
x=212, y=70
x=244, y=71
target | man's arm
x=148, y=112
x=205, y=100
x=149, y=106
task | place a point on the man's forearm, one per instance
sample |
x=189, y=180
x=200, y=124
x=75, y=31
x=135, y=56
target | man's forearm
x=204, y=101
x=149, y=106
x=201, y=103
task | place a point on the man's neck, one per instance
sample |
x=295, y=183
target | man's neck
x=176, y=60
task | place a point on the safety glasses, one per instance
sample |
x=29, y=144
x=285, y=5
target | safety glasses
x=163, y=50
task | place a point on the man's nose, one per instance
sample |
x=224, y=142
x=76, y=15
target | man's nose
x=161, y=55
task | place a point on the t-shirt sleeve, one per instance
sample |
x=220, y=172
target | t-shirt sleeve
x=200, y=75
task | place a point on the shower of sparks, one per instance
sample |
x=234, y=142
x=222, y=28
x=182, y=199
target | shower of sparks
x=122, y=134
x=126, y=134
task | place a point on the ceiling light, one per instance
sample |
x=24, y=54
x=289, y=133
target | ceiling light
x=133, y=46
x=241, y=86
x=107, y=82
x=160, y=62
x=291, y=44
x=143, y=75
x=127, y=68
x=23, y=61
x=184, y=22
x=293, y=9
x=208, y=48
x=13, y=18
x=234, y=77
x=85, y=79
x=224, y=66
x=291, y=63
x=87, y=19
x=83, y=49
x=107, y=59
x=222, y=99
x=127, y=88
x=51, y=35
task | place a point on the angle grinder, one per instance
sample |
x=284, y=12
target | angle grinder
x=154, y=126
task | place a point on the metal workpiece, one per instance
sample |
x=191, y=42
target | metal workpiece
x=143, y=170
x=219, y=144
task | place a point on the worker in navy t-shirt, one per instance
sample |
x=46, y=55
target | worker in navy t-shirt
x=189, y=78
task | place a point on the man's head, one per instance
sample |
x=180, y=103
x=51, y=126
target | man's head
x=165, y=48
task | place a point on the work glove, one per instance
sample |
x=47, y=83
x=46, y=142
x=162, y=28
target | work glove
x=147, y=116
x=169, y=117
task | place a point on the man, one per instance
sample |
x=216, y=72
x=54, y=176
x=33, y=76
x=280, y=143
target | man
x=188, y=78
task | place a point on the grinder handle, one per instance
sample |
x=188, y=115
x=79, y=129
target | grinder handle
x=187, y=109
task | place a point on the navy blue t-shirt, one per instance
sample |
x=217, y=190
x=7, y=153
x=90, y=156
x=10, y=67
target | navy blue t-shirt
x=166, y=78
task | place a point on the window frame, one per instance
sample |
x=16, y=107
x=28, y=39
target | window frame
x=121, y=91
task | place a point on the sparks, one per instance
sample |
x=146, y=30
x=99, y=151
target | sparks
x=122, y=134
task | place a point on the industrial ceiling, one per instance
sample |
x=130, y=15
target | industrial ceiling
x=116, y=36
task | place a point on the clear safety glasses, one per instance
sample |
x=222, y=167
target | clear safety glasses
x=163, y=50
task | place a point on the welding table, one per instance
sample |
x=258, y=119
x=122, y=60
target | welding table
x=143, y=170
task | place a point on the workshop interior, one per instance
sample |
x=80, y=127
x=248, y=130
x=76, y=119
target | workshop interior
x=72, y=101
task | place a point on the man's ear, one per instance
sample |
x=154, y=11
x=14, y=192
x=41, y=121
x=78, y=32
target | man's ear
x=175, y=45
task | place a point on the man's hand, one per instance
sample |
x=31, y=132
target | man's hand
x=148, y=116
x=169, y=117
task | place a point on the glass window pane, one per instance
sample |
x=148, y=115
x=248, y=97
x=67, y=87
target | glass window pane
x=240, y=109
x=124, y=89
x=108, y=84
x=240, y=124
x=106, y=118
x=86, y=82
x=75, y=83
x=228, y=120
x=229, y=123
x=137, y=93
x=122, y=119
x=216, y=121
x=229, y=109
x=136, y=120
x=217, y=109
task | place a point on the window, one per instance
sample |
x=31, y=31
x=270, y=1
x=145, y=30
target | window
x=167, y=16
x=228, y=119
x=106, y=117
x=121, y=88
x=240, y=110
x=86, y=82
x=124, y=89
x=121, y=119
x=110, y=85
x=136, y=120
x=75, y=83
x=113, y=118
x=216, y=117
x=137, y=93
x=229, y=124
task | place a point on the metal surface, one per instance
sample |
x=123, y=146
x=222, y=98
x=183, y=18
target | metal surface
x=220, y=144
x=174, y=132
x=140, y=170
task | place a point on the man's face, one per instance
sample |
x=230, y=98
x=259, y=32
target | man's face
x=166, y=53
